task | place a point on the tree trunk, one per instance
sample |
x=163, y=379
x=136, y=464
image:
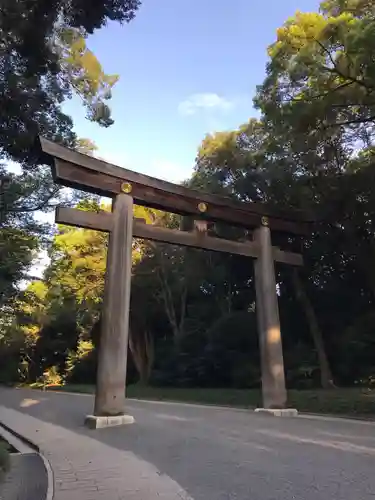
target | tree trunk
x=326, y=378
x=175, y=310
x=142, y=350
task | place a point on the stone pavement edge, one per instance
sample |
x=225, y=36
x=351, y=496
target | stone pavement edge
x=86, y=469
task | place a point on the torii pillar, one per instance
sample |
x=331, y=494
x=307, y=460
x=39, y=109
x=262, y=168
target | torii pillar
x=90, y=174
x=109, y=409
x=274, y=394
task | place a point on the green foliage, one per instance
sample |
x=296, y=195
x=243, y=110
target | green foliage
x=17, y=250
x=19, y=233
x=51, y=376
x=321, y=71
x=193, y=320
x=84, y=73
x=81, y=363
x=40, y=68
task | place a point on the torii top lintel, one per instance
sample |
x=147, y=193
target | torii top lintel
x=80, y=171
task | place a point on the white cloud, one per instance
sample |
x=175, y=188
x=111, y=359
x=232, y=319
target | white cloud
x=205, y=101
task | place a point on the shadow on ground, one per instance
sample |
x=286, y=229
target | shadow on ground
x=226, y=453
x=27, y=479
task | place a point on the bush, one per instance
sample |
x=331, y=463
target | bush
x=81, y=364
x=51, y=376
x=225, y=355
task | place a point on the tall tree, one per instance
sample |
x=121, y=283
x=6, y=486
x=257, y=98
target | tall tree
x=248, y=164
x=320, y=76
x=39, y=68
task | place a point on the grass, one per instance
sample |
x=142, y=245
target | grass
x=354, y=402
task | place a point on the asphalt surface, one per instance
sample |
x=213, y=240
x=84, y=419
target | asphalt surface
x=221, y=454
x=26, y=480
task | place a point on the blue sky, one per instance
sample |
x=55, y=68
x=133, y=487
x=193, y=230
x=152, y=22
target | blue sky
x=187, y=67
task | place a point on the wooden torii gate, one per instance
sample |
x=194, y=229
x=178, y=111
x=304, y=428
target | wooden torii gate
x=126, y=187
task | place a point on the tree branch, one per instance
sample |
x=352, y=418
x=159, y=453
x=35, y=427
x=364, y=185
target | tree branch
x=338, y=72
x=352, y=122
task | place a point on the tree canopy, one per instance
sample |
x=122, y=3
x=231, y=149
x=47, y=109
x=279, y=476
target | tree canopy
x=40, y=68
x=193, y=313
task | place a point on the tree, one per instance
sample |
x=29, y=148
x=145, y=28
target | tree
x=40, y=68
x=20, y=234
x=247, y=165
x=317, y=104
x=75, y=283
x=321, y=74
x=192, y=312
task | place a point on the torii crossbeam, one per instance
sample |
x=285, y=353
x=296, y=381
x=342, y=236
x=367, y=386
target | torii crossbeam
x=126, y=187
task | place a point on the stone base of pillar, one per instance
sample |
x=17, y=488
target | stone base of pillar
x=285, y=412
x=95, y=422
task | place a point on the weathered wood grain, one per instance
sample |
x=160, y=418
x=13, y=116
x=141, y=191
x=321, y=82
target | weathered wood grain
x=152, y=191
x=113, y=347
x=103, y=221
x=98, y=221
x=273, y=376
x=78, y=177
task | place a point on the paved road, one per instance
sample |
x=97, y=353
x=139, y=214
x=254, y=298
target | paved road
x=26, y=480
x=221, y=454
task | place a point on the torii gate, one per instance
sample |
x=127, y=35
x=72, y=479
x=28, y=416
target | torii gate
x=125, y=187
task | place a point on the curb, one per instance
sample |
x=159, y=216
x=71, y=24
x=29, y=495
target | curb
x=21, y=438
x=50, y=480
x=305, y=414
x=344, y=418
